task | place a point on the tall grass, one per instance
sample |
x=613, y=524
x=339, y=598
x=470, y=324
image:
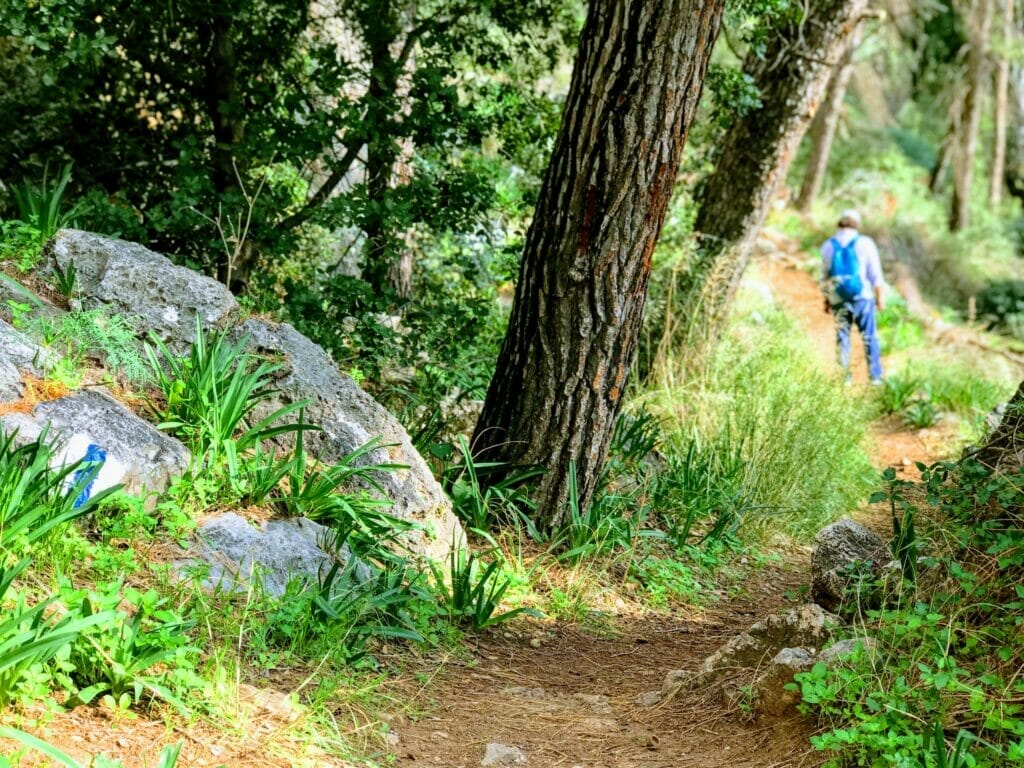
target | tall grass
x=777, y=441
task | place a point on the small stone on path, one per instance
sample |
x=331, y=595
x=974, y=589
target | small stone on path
x=500, y=754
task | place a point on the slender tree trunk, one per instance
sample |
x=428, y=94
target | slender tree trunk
x=996, y=180
x=977, y=85
x=381, y=146
x=583, y=280
x=823, y=129
x=223, y=98
x=1014, y=173
x=754, y=157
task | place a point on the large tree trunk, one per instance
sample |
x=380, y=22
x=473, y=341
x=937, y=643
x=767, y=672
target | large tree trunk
x=1004, y=448
x=996, y=180
x=823, y=129
x=583, y=280
x=980, y=18
x=754, y=157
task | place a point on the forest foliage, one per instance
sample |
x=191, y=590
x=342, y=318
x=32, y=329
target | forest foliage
x=367, y=170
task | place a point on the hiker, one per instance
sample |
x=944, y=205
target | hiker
x=851, y=277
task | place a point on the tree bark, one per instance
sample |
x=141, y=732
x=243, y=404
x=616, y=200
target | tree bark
x=823, y=128
x=754, y=157
x=1014, y=173
x=583, y=280
x=996, y=180
x=222, y=92
x=382, y=31
x=1005, y=446
x=977, y=79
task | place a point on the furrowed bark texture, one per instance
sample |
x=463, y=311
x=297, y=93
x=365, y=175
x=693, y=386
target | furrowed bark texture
x=823, y=128
x=583, y=280
x=977, y=85
x=1005, y=446
x=754, y=157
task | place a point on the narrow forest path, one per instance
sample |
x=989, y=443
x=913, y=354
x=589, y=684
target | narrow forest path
x=567, y=696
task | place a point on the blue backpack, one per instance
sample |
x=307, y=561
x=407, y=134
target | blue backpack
x=845, y=270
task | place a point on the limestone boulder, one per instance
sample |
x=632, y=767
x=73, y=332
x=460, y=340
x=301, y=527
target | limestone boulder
x=771, y=697
x=144, y=286
x=18, y=356
x=237, y=550
x=843, y=651
x=137, y=456
x=847, y=565
x=807, y=626
x=349, y=419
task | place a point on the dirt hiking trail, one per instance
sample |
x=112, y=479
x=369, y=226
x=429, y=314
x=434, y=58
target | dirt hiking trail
x=566, y=696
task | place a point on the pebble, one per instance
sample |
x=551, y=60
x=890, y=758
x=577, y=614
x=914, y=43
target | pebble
x=500, y=754
x=535, y=642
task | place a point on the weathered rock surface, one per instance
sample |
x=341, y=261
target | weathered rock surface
x=847, y=562
x=137, y=455
x=18, y=355
x=770, y=694
x=350, y=418
x=279, y=550
x=806, y=626
x=145, y=287
x=500, y=754
x=838, y=653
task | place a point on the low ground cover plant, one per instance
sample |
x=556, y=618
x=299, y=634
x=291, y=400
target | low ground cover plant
x=943, y=681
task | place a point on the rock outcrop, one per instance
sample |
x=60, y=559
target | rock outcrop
x=18, y=356
x=808, y=626
x=349, y=419
x=847, y=564
x=143, y=286
x=277, y=551
x=138, y=456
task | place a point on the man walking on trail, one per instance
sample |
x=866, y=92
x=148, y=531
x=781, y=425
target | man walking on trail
x=851, y=277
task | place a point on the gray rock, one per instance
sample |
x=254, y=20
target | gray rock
x=18, y=355
x=847, y=562
x=350, y=418
x=138, y=456
x=145, y=287
x=770, y=694
x=499, y=754
x=278, y=551
x=806, y=626
x=841, y=651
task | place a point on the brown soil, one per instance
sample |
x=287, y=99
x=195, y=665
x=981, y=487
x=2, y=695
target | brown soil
x=540, y=699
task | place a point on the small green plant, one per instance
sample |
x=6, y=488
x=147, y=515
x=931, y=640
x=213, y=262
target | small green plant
x=64, y=280
x=212, y=395
x=614, y=521
x=957, y=757
x=921, y=412
x=471, y=592
x=96, y=333
x=128, y=655
x=41, y=207
x=30, y=636
x=897, y=392
x=480, y=507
